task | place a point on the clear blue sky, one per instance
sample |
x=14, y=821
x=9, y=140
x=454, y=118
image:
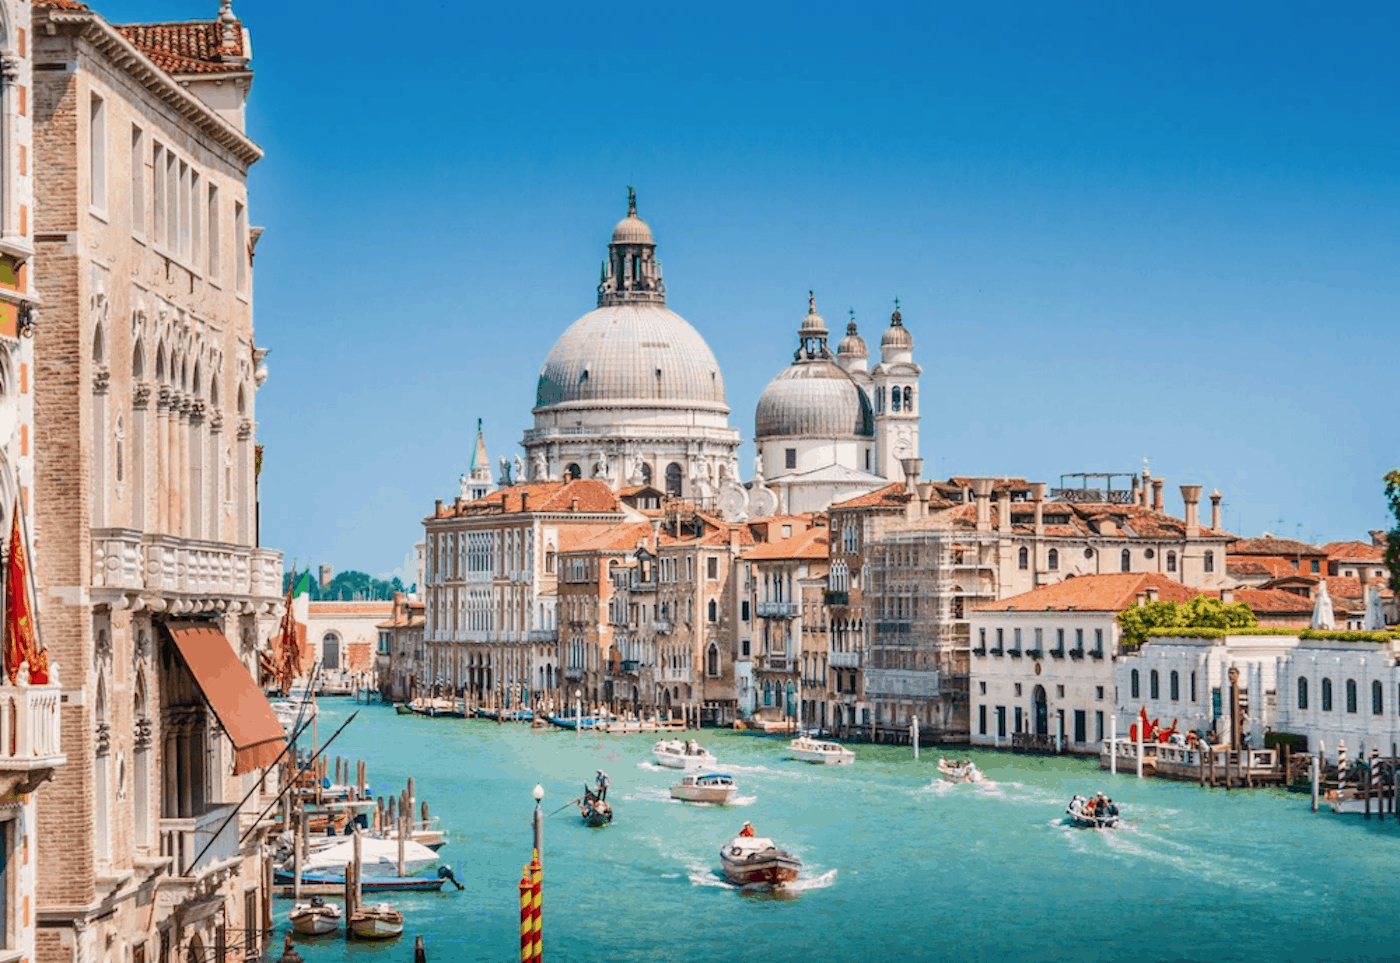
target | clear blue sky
x=1116, y=231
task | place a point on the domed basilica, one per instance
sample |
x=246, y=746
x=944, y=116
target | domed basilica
x=631, y=394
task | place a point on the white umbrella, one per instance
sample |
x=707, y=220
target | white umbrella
x=1322, y=608
x=1375, y=619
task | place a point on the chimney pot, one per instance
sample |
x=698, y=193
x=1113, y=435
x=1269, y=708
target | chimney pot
x=1151, y=591
x=525, y=501
x=1227, y=596
x=1141, y=599
x=573, y=504
x=1191, y=497
x=1215, y=498
x=437, y=508
x=1157, y=484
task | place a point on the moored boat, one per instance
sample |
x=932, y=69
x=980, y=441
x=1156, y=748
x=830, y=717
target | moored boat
x=747, y=860
x=379, y=857
x=821, y=751
x=960, y=772
x=315, y=918
x=1096, y=813
x=379, y=921
x=594, y=809
x=369, y=884
x=682, y=754
x=709, y=787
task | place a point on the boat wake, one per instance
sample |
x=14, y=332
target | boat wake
x=649, y=794
x=744, y=800
x=802, y=885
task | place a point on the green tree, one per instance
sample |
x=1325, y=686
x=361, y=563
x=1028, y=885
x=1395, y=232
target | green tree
x=1202, y=612
x=1392, y=540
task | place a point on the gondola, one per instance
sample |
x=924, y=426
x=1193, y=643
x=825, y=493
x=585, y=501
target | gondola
x=594, y=809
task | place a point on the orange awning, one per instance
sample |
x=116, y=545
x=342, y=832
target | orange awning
x=232, y=694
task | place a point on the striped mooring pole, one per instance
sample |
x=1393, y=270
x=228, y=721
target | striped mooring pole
x=531, y=884
x=1374, y=789
x=1341, y=768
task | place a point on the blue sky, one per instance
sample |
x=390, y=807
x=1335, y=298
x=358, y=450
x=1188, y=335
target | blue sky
x=1116, y=231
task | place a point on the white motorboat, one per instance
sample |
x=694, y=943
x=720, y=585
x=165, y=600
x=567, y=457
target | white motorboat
x=378, y=857
x=377, y=922
x=709, y=787
x=821, y=751
x=1096, y=813
x=956, y=772
x=316, y=918
x=682, y=754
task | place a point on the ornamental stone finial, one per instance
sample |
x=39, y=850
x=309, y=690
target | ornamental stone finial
x=631, y=201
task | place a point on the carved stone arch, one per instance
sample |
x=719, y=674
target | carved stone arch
x=138, y=360
x=162, y=371
x=197, y=380
x=99, y=344
x=242, y=402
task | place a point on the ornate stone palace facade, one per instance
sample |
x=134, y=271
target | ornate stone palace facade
x=146, y=374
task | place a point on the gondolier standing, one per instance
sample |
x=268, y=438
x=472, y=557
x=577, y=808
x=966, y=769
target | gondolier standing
x=602, y=781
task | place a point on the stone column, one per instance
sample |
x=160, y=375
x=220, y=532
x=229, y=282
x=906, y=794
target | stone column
x=162, y=459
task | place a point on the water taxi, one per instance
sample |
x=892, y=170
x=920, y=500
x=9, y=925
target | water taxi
x=747, y=860
x=710, y=787
x=682, y=754
x=821, y=751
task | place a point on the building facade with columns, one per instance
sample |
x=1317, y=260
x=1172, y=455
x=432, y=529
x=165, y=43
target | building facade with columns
x=145, y=520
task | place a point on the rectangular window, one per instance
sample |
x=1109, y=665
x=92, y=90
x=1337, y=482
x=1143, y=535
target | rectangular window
x=213, y=223
x=183, y=200
x=1018, y=719
x=240, y=247
x=981, y=720
x=746, y=647
x=712, y=567
x=1314, y=565
x=1079, y=639
x=982, y=690
x=1016, y=638
x=1098, y=692
x=790, y=457
x=196, y=237
x=1080, y=720
x=138, y=182
x=1098, y=725
x=1001, y=722
x=97, y=153
x=1098, y=641
x=172, y=203
x=744, y=611
x=250, y=924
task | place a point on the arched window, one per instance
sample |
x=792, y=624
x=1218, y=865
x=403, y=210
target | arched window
x=894, y=398
x=714, y=611
x=1210, y=561
x=1326, y=695
x=572, y=472
x=646, y=474
x=879, y=399
x=1052, y=560
x=1302, y=692
x=1023, y=559
x=1176, y=686
x=1125, y=561
x=1351, y=695
x=1377, y=698
x=330, y=651
x=1171, y=561
x=1154, y=688
x=908, y=398
x=712, y=660
x=673, y=479
x=1135, y=685
x=138, y=361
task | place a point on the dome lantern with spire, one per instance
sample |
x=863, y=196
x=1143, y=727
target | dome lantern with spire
x=852, y=353
x=631, y=273
x=813, y=397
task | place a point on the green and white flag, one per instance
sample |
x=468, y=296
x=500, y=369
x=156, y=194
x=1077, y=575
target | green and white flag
x=301, y=597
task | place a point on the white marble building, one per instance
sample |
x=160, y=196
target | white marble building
x=631, y=394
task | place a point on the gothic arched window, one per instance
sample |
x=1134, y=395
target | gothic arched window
x=1302, y=692
x=1351, y=695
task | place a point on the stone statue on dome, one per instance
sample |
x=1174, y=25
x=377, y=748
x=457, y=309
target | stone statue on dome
x=519, y=466
x=504, y=481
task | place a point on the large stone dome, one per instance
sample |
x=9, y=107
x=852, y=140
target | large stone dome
x=640, y=353
x=814, y=399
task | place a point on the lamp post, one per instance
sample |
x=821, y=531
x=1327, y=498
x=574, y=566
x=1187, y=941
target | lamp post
x=539, y=823
x=578, y=714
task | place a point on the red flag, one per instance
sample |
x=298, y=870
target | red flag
x=21, y=642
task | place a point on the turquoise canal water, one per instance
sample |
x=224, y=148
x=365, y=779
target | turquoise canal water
x=897, y=868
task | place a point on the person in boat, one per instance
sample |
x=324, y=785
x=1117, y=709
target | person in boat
x=1109, y=807
x=747, y=830
x=603, y=782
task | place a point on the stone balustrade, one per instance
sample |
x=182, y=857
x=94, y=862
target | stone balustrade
x=126, y=559
x=30, y=733
x=844, y=660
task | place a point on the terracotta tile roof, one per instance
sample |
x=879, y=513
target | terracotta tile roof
x=1343, y=589
x=1246, y=566
x=891, y=496
x=552, y=497
x=1285, y=547
x=322, y=609
x=812, y=544
x=194, y=47
x=1073, y=520
x=1354, y=552
x=1093, y=593
x=1274, y=601
x=618, y=538
x=60, y=4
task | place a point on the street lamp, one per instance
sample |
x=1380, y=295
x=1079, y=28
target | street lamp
x=539, y=823
x=578, y=714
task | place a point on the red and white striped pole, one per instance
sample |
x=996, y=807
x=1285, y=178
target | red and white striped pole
x=1341, y=768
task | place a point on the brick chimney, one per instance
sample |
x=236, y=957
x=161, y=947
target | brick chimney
x=437, y=508
x=655, y=536
x=1227, y=596
x=1215, y=498
x=1151, y=592
x=1004, y=510
x=1157, y=494
x=982, y=492
x=525, y=501
x=913, y=467
x=1191, y=496
x=573, y=504
x=1038, y=493
x=1141, y=599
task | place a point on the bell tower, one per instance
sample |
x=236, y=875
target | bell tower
x=895, y=382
